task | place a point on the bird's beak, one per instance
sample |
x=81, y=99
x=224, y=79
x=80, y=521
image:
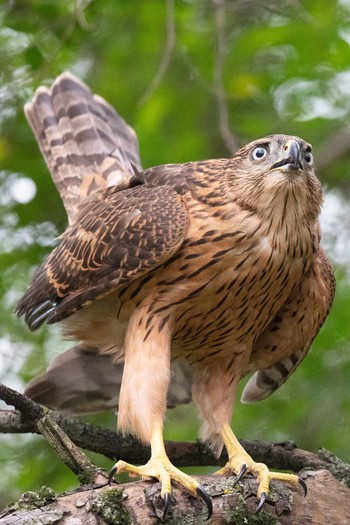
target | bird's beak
x=291, y=160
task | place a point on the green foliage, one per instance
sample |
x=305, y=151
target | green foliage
x=282, y=69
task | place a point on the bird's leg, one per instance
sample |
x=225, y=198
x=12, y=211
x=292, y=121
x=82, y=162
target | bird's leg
x=214, y=392
x=142, y=405
x=240, y=463
x=160, y=467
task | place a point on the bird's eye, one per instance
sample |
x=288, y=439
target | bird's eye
x=308, y=157
x=259, y=153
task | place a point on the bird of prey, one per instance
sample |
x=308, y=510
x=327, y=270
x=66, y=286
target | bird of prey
x=181, y=277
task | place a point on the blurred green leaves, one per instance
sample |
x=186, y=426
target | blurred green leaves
x=284, y=68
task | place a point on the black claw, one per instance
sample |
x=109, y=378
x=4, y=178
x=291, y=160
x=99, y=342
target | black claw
x=111, y=474
x=167, y=503
x=207, y=500
x=303, y=484
x=243, y=470
x=263, y=498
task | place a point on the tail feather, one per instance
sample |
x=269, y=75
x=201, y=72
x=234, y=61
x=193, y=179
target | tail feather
x=264, y=382
x=81, y=380
x=86, y=144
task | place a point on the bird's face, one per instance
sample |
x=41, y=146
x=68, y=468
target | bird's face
x=271, y=169
x=282, y=156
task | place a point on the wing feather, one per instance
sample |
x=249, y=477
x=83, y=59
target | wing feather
x=120, y=238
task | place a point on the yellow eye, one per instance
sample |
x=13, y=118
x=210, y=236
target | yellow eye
x=259, y=153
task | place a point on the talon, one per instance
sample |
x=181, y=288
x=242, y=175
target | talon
x=263, y=498
x=111, y=474
x=243, y=470
x=167, y=503
x=303, y=484
x=207, y=500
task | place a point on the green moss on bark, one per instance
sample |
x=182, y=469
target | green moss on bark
x=109, y=505
x=33, y=500
x=240, y=515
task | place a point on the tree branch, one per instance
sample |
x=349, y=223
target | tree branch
x=332, y=148
x=43, y=421
x=167, y=53
x=282, y=456
x=219, y=90
x=140, y=504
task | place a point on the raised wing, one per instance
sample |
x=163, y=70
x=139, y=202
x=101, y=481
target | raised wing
x=86, y=144
x=292, y=331
x=121, y=237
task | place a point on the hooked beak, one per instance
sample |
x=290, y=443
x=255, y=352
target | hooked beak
x=291, y=160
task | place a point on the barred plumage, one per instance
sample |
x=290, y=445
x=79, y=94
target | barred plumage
x=215, y=263
x=86, y=144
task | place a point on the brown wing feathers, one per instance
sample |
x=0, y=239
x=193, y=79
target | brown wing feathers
x=86, y=144
x=88, y=147
x=120, y=238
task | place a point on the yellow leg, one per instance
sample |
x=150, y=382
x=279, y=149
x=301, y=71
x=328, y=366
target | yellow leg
x=239, y=463
x=160, y=467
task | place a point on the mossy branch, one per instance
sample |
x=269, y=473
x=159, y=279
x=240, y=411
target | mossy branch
x=281, y=456
x=139, y=503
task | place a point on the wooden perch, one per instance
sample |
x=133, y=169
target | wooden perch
x=282, y=456
x=140, y=502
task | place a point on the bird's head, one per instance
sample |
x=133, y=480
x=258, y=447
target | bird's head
x=276, y=171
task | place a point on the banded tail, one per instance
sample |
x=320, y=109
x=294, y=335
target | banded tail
x=86, y=144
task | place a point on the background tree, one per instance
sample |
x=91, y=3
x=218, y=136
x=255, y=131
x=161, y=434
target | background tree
x=196, y=79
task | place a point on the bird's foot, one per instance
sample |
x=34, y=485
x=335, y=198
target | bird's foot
x=240, y=464
x=162, y=469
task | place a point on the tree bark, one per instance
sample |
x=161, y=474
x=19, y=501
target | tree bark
x=139, y=503
x=282, y=456
x=327, y=501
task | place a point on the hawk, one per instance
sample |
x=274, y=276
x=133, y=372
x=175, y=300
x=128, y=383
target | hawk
x=178, y=278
